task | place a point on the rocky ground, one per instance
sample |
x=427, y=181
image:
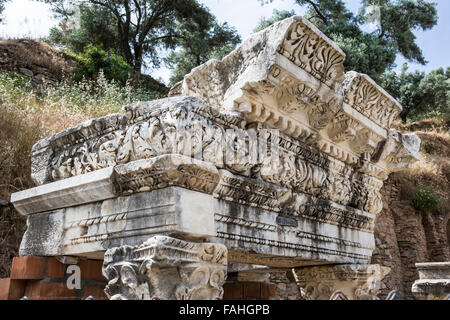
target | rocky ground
x=405, y=235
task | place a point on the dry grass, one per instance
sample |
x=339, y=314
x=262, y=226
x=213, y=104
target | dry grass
x=26, y=117
x=16, y=138
x=433, y=169
x=436, y=125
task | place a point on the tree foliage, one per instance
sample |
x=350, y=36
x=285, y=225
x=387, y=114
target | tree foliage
x=277, y=15
x=200, y=43
x=398, y=20
x=94, y=59
x=143, y=30
x=2, y=7
x=421, y=95
x=80, y=27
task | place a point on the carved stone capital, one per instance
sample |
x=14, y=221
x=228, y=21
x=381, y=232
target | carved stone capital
x=165, y=268
x=340, y=282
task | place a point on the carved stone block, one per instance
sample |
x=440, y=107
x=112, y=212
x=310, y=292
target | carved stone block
x=433, y=282
x=88, y=230
x=340, y=282
x=164, y=268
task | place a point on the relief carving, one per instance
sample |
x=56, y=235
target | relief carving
x=164, y=268
x=370, y=99
x=308, y=50
x=340, y=282
x=325, y=163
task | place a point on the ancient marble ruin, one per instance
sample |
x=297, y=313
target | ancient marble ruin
x=272, y=156
x=434, y=282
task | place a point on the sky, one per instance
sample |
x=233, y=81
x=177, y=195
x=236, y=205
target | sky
x=26, y=18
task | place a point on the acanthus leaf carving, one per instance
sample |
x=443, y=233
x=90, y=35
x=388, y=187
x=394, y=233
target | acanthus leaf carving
x=165, y=268
x=340, y=282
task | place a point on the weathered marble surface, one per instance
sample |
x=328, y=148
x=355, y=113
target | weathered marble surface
x=340, y=282
x=164, y=268
x=273, y=152
x=433, y=282
x=252, y=234
x=303, y=205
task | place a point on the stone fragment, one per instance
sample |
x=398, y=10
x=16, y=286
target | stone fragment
x=340, y=282
x=94, y=186
x=272, y=153
x=164, y=268
x=434, y=281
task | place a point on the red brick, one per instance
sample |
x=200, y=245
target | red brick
x=232, y=291
x=44, y=290
x=268, y=290
x=252, y=290
x=55, y=269
x=32, y=268
x=95, y=291
x=91, y=270
x=11, y=289
x=4, y=288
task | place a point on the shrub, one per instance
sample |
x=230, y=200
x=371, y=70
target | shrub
x=429, y=147
x=426, y=199
x=13, y=87
x=94, y=59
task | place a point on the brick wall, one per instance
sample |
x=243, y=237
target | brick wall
x=42, y=278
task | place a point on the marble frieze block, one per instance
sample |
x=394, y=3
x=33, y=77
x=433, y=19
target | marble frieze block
x=274, y=152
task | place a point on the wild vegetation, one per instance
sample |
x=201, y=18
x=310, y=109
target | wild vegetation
x=141, y=31
x=28, y=115
x=426, y=183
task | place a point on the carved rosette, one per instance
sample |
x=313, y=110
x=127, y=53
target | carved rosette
x=165, y=268
x=340, y=282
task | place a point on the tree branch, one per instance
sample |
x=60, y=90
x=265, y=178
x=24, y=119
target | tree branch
x=317, y=10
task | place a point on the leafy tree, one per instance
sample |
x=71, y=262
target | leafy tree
x=94, y=59
x=399, y=18
x=2, y=7
x=139, y=30
x=373, y=52
x=80, y=28
x=421, y=95
x=200, y=43
x=277, y=15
